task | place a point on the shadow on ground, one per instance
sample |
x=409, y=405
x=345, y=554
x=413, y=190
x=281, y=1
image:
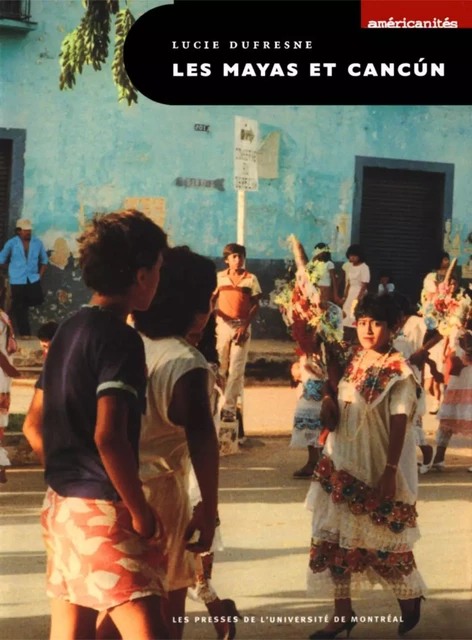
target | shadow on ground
x=261, y=478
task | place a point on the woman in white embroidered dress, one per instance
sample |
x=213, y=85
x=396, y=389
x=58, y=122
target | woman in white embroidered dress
x=434, y=372
x=455, y=414
x=410, y=342
x=364, y=489
x=313, y=301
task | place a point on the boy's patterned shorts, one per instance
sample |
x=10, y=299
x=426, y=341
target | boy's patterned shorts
x=94, y=558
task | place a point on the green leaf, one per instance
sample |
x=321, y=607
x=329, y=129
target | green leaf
x=126, y=91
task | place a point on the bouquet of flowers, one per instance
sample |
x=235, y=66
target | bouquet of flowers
x=445, y=309
x=303, y=311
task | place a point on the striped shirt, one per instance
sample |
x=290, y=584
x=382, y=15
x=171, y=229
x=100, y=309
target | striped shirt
x=236, y=296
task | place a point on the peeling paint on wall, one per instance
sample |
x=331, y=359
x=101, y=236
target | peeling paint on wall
x=86, y=153
x=60, y=253
x=155, y=208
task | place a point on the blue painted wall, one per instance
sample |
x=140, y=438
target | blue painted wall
x=85, y=153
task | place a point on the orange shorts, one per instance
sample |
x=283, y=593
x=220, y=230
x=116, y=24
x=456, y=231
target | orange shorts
x=94, y=558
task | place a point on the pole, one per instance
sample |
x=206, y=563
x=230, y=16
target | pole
x=241, y=216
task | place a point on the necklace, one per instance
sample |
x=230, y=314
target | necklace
x=355, y=376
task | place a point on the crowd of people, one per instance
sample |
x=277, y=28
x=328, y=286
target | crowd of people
x=136, y=384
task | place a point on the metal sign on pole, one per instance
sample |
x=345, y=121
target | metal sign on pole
x=246, y=144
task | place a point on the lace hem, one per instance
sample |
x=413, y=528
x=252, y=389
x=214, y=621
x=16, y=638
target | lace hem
x=301, y=439
x=323, y=585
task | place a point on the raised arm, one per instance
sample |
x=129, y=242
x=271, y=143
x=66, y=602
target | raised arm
x=301, y=259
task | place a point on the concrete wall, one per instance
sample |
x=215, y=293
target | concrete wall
x=85, y=153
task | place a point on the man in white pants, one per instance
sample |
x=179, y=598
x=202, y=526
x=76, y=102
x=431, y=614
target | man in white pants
x=237, y=296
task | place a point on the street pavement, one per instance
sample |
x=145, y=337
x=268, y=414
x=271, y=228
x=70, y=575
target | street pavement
x=266, y=534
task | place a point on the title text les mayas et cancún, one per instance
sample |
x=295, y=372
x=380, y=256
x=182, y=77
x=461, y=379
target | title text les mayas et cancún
x=316, y=69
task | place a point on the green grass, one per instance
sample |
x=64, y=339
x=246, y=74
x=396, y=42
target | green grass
x=15, y=422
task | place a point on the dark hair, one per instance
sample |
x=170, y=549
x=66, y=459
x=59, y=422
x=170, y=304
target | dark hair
x=380, y=308
x=231, y=248
x=47, y=331
x=403, y=303
x=326, y=255
x=440, y=257
x=207, y=345
x=115, y=247
x=385, y=274
x=356, y=250
x=3, y=282
x=186, y=284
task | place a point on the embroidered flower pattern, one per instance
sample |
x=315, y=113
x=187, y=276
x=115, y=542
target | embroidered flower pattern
x=341, y=562
x=370, y=382
x=307, y=423
x=313, y=390
x=363, y=500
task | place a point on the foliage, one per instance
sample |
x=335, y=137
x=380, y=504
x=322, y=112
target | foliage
x=88, y=45
x=445, y=309
x=15, y=422
x=303, y=311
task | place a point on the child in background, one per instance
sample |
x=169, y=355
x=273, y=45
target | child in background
x=237, y=299
x=356, y=283
x=104, y=542
x=7, y=372
x=327, y=283
x=46, y=333
x=385, y=283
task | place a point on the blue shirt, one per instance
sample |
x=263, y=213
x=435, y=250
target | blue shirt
x=20, y=269
x=93, y=353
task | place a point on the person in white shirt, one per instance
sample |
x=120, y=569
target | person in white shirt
x=357, y=281
x=178, y=431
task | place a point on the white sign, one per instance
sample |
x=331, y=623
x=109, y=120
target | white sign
x=246, y=144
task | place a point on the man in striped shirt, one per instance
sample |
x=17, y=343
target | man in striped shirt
x=237, y=297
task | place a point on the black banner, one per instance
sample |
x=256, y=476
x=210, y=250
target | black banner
x=238, y=53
